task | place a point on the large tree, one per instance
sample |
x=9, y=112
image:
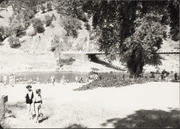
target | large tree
x=134, y=29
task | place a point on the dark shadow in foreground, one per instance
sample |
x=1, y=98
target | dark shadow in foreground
x=147, y=119
x=43, y=119
x=76, y=126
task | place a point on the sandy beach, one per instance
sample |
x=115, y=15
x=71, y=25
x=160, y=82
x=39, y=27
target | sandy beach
x=63, y=107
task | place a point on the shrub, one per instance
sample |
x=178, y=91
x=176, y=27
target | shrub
x=14, y=42
x=48, y=20
x=38, y=25
x=49, y=6
x=28, y=14
x=7, y=32
x=4, y=32
x=71, y=25
x=17, y=28
x=17, y=23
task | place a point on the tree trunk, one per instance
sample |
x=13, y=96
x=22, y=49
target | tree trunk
x=135, y=63
x=135, y=68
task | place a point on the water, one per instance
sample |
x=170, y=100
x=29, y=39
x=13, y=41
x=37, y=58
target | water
x=45, y=77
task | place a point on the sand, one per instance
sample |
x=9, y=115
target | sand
x=63, y=107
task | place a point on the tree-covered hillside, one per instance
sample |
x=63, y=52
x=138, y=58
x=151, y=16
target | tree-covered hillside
x=129, y=31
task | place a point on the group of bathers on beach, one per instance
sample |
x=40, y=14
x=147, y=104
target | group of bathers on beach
x=33, y=102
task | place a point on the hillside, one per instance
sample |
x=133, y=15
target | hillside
x=35, y=52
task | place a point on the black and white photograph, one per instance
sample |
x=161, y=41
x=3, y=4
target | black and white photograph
x=89, y=64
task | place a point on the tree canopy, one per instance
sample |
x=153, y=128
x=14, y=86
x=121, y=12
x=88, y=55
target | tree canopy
x=134, y=29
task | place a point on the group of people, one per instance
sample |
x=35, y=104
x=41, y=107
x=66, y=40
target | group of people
x=33, y=102
x=9, y=79
x=164, y=75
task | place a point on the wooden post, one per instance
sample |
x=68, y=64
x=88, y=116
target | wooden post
x=1, y=104
x=2, y=108
x=3, y=100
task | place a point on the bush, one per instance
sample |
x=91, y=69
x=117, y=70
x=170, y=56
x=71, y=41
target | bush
x=38, y=25
x=14, y=42
x=48, y=20
x=4, y=33
x=7, y=32
x=18, y=23
x=110, y=80
x=49, y=6
x=17, y=28
x=71, y=25
x=28, y=14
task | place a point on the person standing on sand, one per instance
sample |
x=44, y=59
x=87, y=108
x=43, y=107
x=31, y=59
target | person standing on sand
x=5, y=79
x=37, y=104
x=76, y=79
x=29, y=100
x=63, y=79
x=12, y=79
x=53, y=80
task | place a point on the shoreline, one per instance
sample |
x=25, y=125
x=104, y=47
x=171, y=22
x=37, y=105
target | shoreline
x=54, y=70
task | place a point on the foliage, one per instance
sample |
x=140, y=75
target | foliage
x=142, y=46
x=23, y=11
x=28, y=14
x=17, y=28
x=14, y=42
x=4, y=32
x=174, y=16
x=38, y=25
x=48, y=20
x=71, y=25
x=71, y=8
x=30, y=4
x=111, y=80
x=134, y=29
x=49, y=6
